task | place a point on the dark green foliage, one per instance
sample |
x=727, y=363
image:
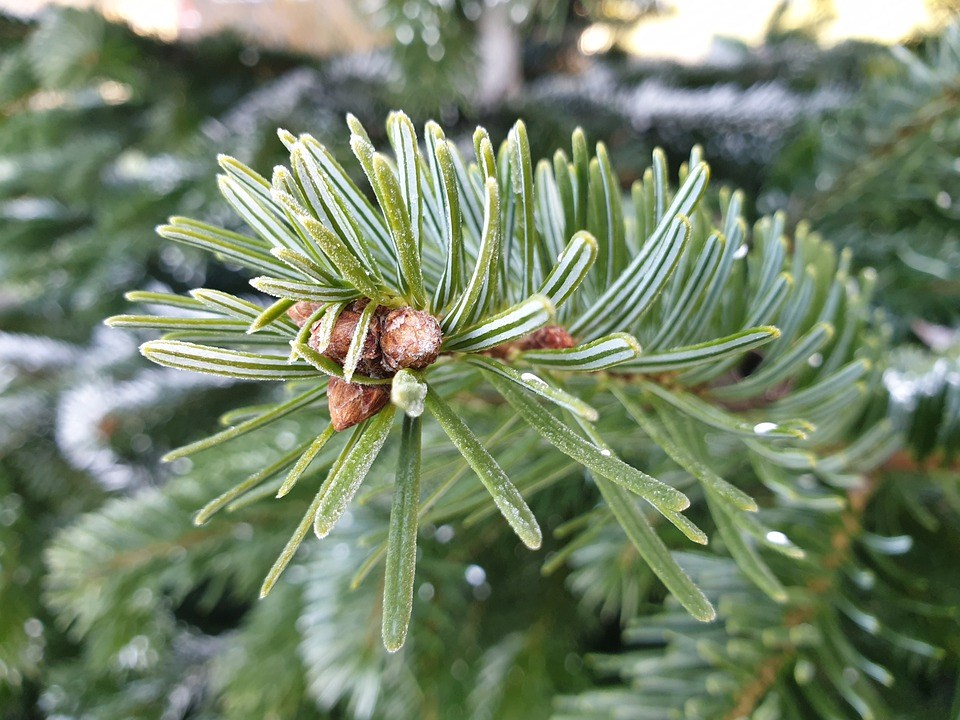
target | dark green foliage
x=817, y=458
x=882, y=177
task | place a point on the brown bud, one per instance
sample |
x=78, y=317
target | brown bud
x=351, y=404
x=300, y=312
x=409, y=339
x=549, y=337
x=342, y=335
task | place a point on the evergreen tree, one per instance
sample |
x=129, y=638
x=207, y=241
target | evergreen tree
x=597, y=351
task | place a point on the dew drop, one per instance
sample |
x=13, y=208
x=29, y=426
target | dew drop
x=764, y=428
x=740, y=252
x=33, y=627
x=605, y=452
x=475, y=575
x=533, y=379
x=444, y=534
x=777, y=538
x=404, y=34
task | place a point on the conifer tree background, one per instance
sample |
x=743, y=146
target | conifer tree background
x=837, y=598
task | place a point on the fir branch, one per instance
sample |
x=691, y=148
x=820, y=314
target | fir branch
x=419, y=313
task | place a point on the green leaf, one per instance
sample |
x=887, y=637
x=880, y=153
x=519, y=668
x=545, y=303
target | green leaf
x=721, y=420
x=401, y=230
x=581, y=178
x=486, y=158
x=521, y=171
x=572, y=267
x=599, y=354
x=513, y=323
x=464, y=307
x=305, y=158
x=629, y=295
x=221, y=361
x=342, y=483
x=355, y=204
x=654, y=552
x=747, y=558
x=233, y=338
x=232, y=247
x=660, y=186
x=221, y=501
x=550, y=212
x=273, y=312
x=802, y=402
x=290, y=549
x=254, y=183
x=680, y=521
x=671, y=444
x=287, y=193
x=403, y=139
x=275, y=412
x=537, y=385
x=303, y=462
x=402, y=539
x=562, y=171
x=305, y=266
x=329, y=367
x=303, y=291
x=600, y=461
x=233, y=306
x=609, y=208
x=260, y=213
x=451, y=282
x=354, y=271
x=358, y=341
x=699, y=283
x=683, y=358
x=148, y=297
x=506, y=496
x=780, y=368
x=635, y=289
x=158, y=322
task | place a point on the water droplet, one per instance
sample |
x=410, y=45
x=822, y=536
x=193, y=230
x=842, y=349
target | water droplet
x=533, y=379
x=405, y=34
x=741, y=252
x=475, y=575
x=425, y=592
x=764, y=428
x=444, y=534
x=815, y=360
x=33, y=628
x=605, y=452
x=181, y=466
x=777, y=538
x=286, y=440
x=944, y=200
x=518, y=13
x=430, y=35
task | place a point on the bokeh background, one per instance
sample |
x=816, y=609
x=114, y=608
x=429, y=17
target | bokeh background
x=843, y=112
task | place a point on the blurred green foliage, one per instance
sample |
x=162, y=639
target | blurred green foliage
x=115, y=606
